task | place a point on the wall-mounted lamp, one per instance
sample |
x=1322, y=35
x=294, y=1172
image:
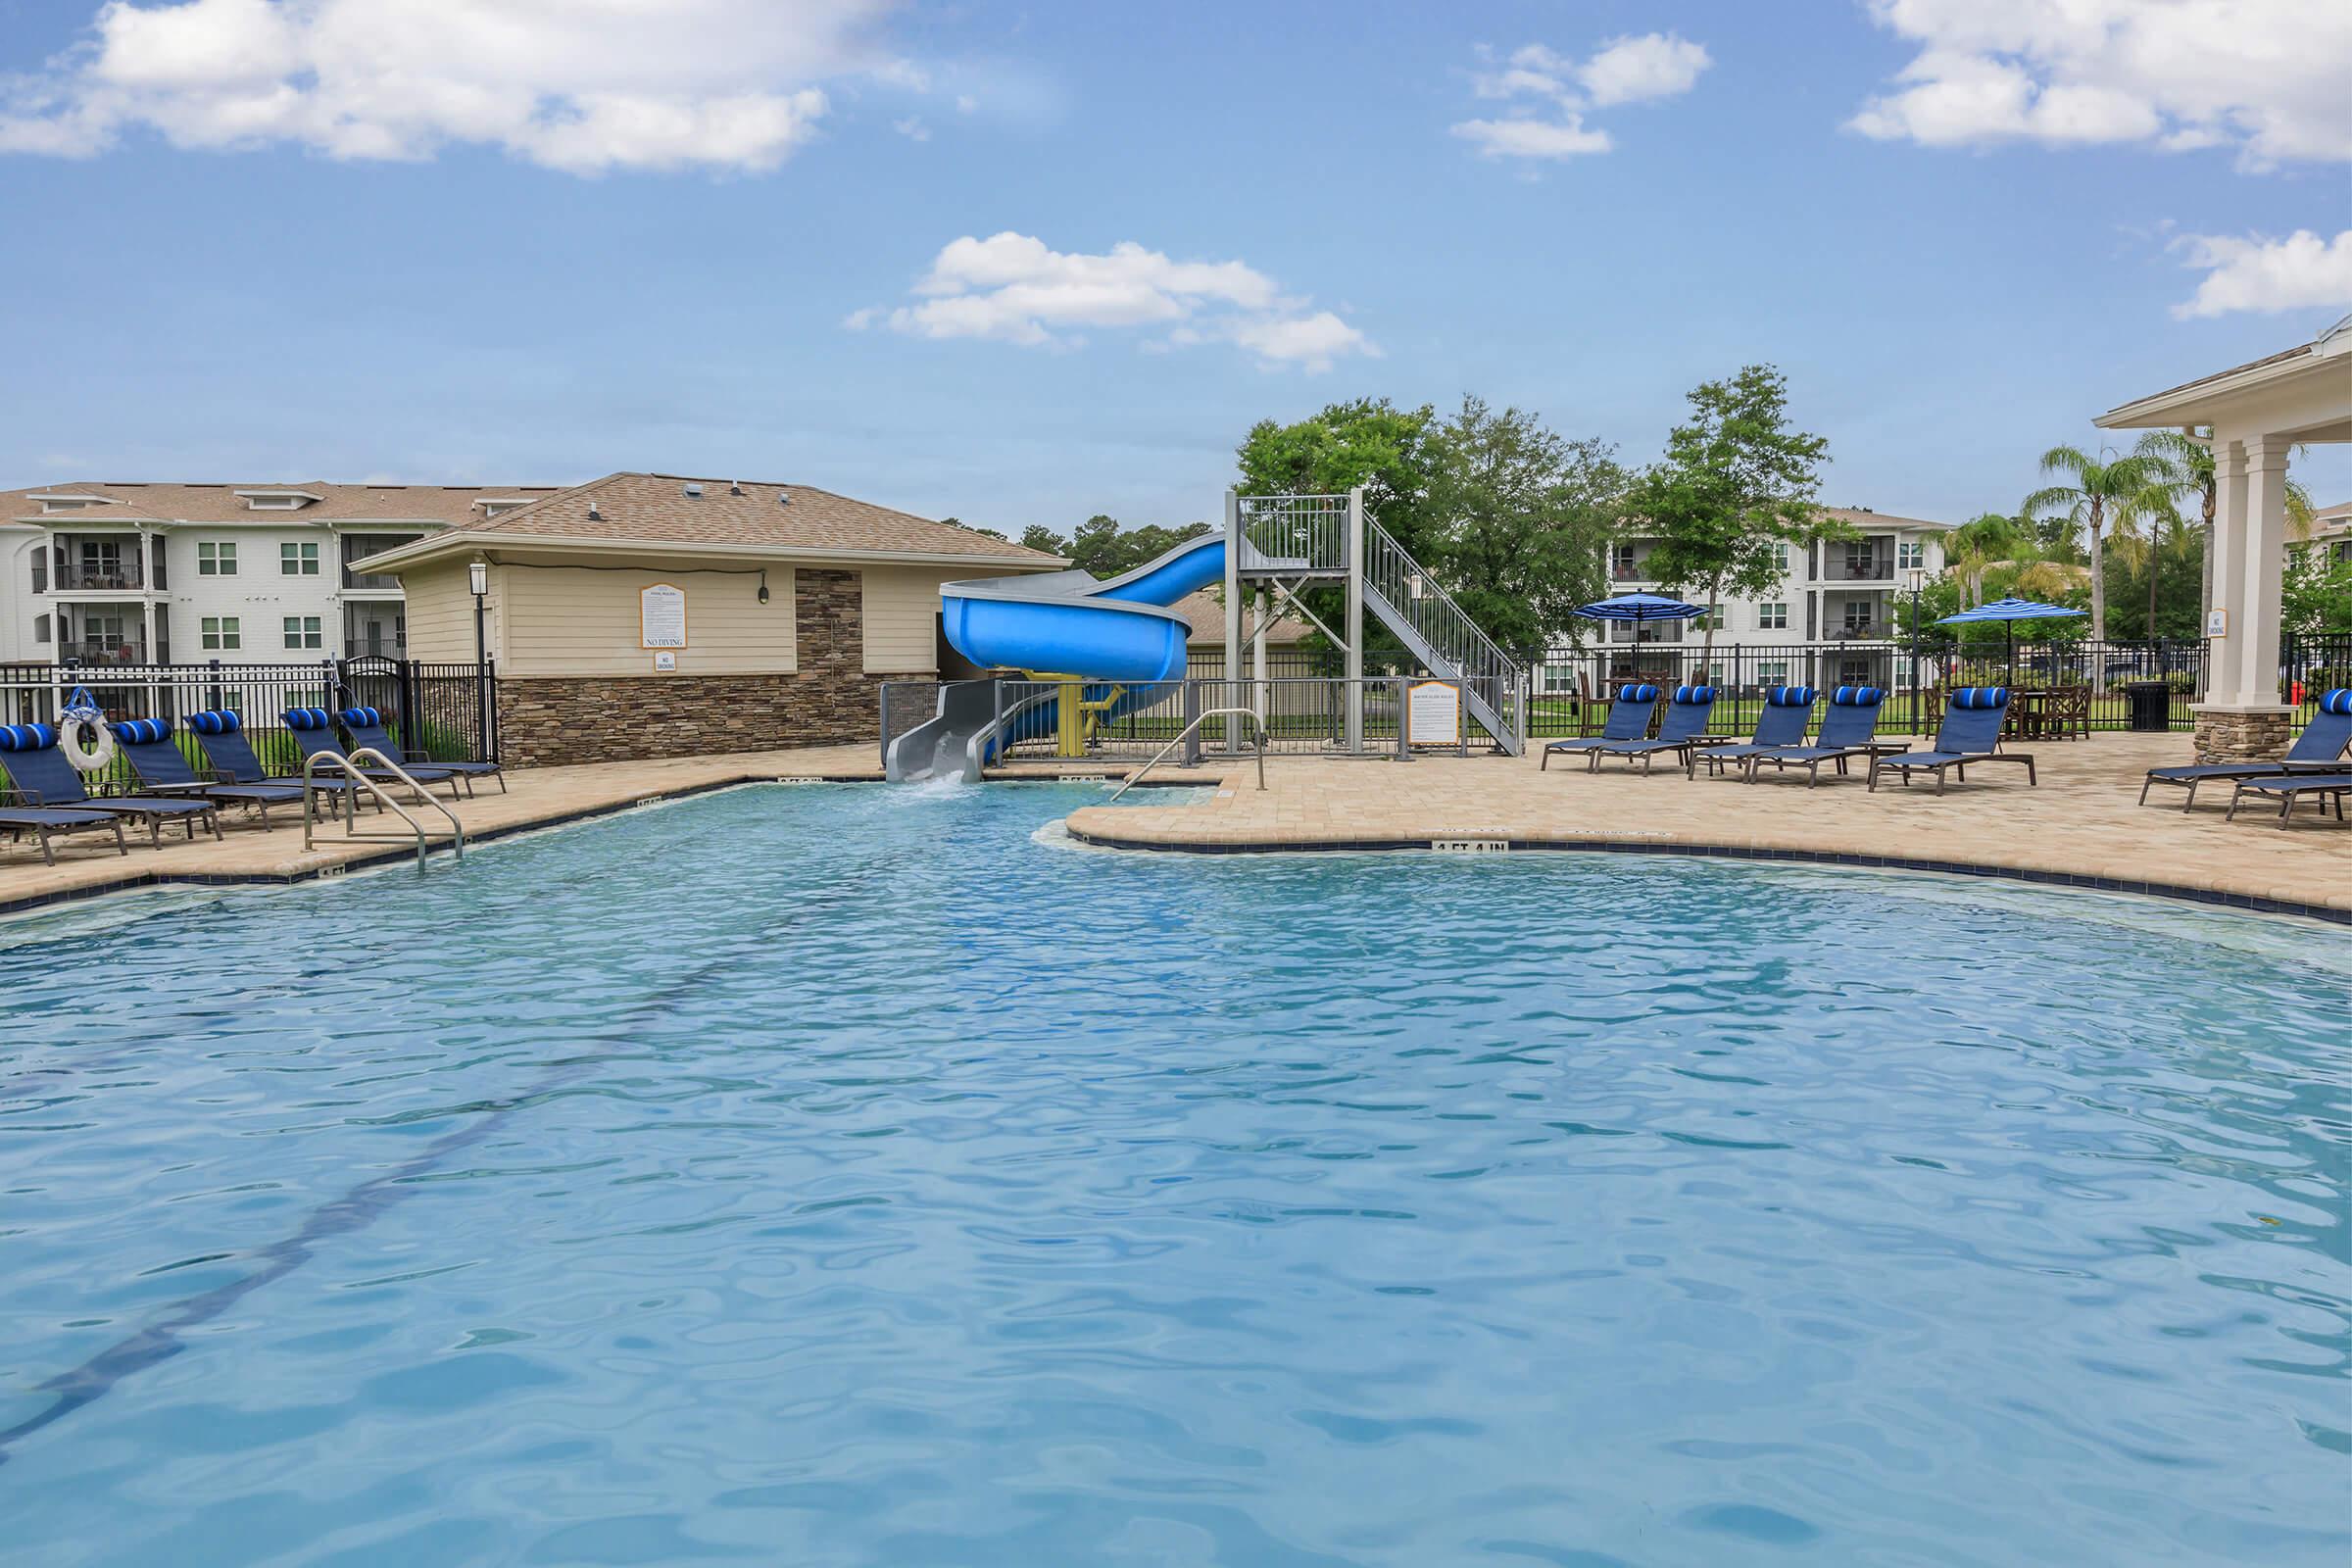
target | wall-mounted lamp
x=763, y=585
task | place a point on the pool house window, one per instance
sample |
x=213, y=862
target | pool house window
x=298, y=560
x=302, y=631
x=216, y=559
x=220, y=632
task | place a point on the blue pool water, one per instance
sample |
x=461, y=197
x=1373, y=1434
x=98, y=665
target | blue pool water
x=835, y=1175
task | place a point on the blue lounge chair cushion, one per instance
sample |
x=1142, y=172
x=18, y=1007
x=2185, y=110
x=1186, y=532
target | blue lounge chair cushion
x=27, y=737
x=215, y=721
x=1790, y=697
x=142, y=731
x=309, y=719
x=1980, y=697
x=1695, y=693
x=368, y=716
x=2338, y=699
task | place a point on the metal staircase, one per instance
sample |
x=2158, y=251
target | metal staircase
x=1441, y=634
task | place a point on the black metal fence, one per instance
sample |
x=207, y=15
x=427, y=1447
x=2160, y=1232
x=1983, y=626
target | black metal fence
x=447, y=710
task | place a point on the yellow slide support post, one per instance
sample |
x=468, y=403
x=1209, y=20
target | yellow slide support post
x=1075, y=715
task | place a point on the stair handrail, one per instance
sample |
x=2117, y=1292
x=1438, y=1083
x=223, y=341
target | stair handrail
x=1444, y=624
x=348, y=766
x=1256, y=718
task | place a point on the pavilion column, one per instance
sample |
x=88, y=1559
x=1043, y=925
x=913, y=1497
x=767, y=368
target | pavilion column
x=2242, y=719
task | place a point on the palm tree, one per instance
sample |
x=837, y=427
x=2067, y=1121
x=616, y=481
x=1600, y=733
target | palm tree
x=2099, y=484
x=1973, y=548
x=2146, y=521
x=2183, y=463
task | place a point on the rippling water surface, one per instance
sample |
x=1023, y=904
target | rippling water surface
x=846, y=1176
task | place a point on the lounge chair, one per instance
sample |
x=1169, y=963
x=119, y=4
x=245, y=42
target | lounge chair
x=1684, y=726
x=1848, y=730
x=366, y=727
x=221, y=734
x=2319, y=747
x=1787, y=712
x=44, y=779
x=163, y=769
x=315, y=732
x=1970, y=733
x=2288, y=786
x=1628, y=720
x=16, y=821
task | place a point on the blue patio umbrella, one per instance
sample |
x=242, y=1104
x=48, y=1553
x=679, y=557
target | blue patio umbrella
x=2010, y=611
x=1638, y=608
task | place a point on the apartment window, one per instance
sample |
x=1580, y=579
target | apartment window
x=302, y=631
x=1857, y=616
x=220, y=632
x=1621, y=562
x=216, y=559
x=298, y=560
x=1780, y=557
x=1773, y=672
x=1910, y=553
x=1773, y=616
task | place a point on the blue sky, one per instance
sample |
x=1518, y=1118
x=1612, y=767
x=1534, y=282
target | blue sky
x=247, y=246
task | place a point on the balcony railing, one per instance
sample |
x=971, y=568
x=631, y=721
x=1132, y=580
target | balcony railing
x=98, y=576
x=1628, y=571
x=1856, y=568
x=107, y=652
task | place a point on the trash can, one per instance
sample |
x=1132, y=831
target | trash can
x=2151, y=705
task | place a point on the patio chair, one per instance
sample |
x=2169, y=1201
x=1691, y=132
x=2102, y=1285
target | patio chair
x=2290, y=786
x=1970, y=733
x=366, y=727
x=1629, y=720
x=313, y=731
x=44, y=779
x=1787, y=713
x=2319, y=747
x=1684, y=726
x=163, y=769
x=221, y=734
x=1848, y=730
x=16, y=821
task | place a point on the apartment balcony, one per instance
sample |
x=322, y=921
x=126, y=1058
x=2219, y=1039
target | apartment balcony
x=1645, y=631
x=1628, y=573
x=99, y=577
x=1859, y=569
x=358, y=547
x=103, y=653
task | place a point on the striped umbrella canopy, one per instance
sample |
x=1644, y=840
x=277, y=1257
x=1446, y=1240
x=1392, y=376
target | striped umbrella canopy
x=2003, y=610
x=1639, y=607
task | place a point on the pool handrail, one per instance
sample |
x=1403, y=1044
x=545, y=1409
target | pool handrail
x=1186, y=734
x=349, y=767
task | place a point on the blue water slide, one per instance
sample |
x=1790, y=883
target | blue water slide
x=1068, y=623
x=1117, y=635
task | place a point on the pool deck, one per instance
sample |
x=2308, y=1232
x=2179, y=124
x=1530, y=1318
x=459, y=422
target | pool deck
x=2079, y=827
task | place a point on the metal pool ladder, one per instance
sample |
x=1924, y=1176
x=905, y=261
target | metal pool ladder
x=348, y=766
x=1184, y=734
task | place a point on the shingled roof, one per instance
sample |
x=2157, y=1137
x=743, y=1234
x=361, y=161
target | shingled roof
x=665, y=509
x=456, y=505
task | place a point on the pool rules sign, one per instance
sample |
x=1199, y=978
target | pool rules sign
x=662, y=623
x=1433, y=713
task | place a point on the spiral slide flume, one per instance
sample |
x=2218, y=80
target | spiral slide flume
x=1057, y=623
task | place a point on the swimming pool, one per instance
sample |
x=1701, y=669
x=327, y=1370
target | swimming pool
x=840, y=1175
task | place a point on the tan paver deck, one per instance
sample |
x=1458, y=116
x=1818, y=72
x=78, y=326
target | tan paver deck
x=2079, y=823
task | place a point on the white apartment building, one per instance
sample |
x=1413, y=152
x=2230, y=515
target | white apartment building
x=2331, y=531
x=126, y=574
x=1830, y=620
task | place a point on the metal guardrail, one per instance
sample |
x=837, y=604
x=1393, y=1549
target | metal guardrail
x=1189, y=730
x=349, y=768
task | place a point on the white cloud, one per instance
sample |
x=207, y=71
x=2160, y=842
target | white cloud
x=2265, y=77
x=1624, y=71
x=583, y=86
x=2301, y=272
x=1014, y=288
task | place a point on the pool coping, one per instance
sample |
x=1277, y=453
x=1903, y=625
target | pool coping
x=2253, y=904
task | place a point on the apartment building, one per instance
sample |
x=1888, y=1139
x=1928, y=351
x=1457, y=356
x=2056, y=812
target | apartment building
x=125, y=574
x=2331, y=531
x=1816, y=626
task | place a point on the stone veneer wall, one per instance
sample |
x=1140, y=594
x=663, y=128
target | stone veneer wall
x=2242, y=737
x=829, y=701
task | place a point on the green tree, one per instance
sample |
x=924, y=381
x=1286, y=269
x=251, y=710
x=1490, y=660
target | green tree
x=1099, y=545
x=1369, y=442
x=1036, y=536
x=1518, y=520
x=1737, y=482
x=2095, y=487
x=2316, y=593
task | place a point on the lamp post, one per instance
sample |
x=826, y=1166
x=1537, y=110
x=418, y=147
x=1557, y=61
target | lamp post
x=1914, y=579
x=477, y=578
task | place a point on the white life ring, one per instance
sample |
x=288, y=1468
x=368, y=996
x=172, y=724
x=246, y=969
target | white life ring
x=89, y=756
